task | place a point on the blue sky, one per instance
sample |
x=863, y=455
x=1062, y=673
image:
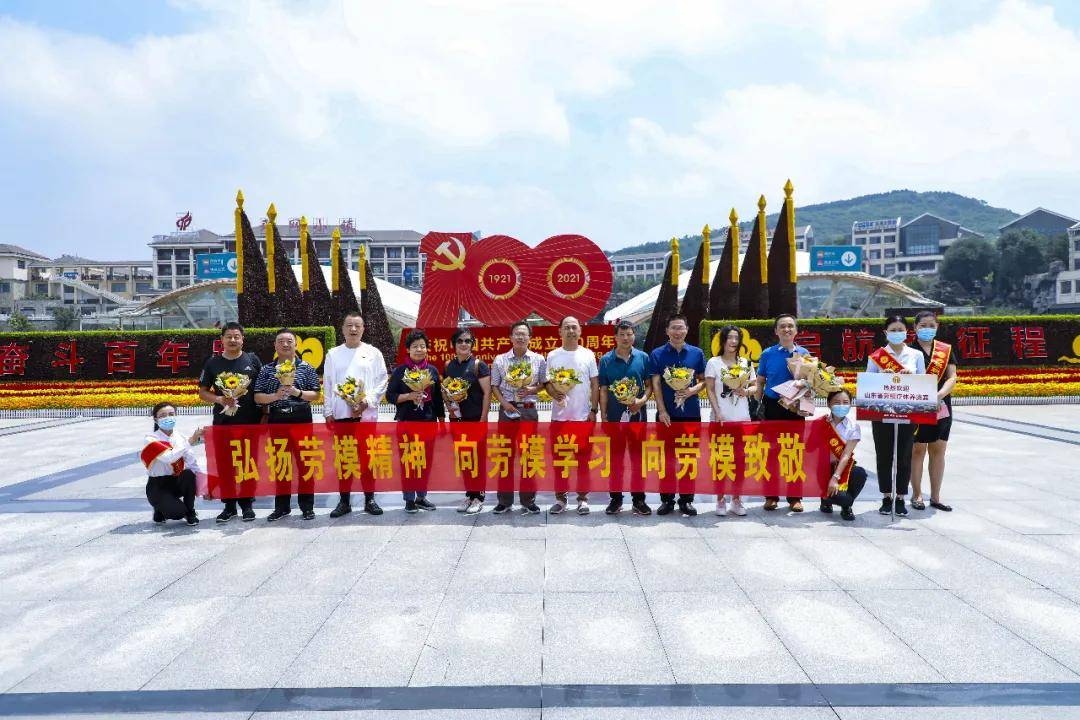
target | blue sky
x=624, y=121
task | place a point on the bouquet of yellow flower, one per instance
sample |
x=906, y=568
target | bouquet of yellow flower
x=626, y=391
x=418, y=380
x=678, y=378
x=285, y=372
x=455, y=390
x=519, y=374
x=564, y=380
x=351, y=391
x=232, y=385
x=811, y=378
x=736, y=377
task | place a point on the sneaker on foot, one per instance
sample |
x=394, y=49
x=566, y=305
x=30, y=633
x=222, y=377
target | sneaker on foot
x=159, y=518
x=666, y=507
x=687, y=509
x=557, y=508
x=582, y=507
x=424, y=504
x=192, y=518
x=886, y=506
x=226, y=515
x=847, y=514
x=277, y=515
x=500, y=509
x=308, y=514
x=530, y=509
x=613, y=508
x=721, y=506
x=248, y=514
x=826, y=507
x=901, y=508
x=463, y=506
x=475, y=506
x=372, y=508
x=640, y=508
x=411, y=507
x=796, y=506
x=737, y=507
x=343, y=508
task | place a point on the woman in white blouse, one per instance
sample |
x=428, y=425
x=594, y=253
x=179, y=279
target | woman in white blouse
x=894, y=357
x=171, y=465
x=847, y=479
x=728, y=405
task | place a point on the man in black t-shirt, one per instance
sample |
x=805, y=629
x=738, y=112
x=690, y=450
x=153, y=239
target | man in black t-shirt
x=232, y=359
x=474, y=408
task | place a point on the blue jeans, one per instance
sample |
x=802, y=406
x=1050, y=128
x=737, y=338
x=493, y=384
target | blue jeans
x=411, y=496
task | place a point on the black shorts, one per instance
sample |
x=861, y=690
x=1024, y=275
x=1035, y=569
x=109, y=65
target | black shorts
x=933, y=433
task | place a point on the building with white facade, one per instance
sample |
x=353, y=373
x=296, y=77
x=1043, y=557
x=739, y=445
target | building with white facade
x=1067, y=298
x=893, y=248
x=15, y=264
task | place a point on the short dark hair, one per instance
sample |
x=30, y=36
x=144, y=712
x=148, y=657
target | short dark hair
x=520, y=323
x=458, y=333
x=834, y=393
x=351, y=313
x=284, y=330
x=895, y=319
x=724, y=332
x=781, y=316
x=231, y=326
x=919, y=316
x=414, y=336
x=676, y=317
x=625, y=325
x=158, y=408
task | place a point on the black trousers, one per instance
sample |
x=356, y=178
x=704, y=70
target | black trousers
x=775, y=411
x=846, y=498
x=346, y=495
x=244, y=502
x=304, y=500
x=683, y=497
x=172, y=495
x=884, y=447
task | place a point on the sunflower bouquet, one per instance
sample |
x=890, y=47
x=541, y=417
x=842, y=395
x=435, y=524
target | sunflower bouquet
x=736, y=377
x=351, y=391
x=811, y=378
x=456, y=390
x=564, y=380
x=285, y=372
x=519, y=374
x=232, y=385
x=678, y=378
x=418, y=380
x=626, y=391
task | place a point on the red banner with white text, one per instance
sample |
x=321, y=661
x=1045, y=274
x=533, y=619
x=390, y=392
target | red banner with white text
x=789, y=458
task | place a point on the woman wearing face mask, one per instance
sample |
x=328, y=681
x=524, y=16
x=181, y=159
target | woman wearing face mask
x=940, y=362
x=171, y=464
x=847, y=479
x=416, y=405
x=894, y=357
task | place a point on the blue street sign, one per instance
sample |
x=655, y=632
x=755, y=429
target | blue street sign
x=215, y=266
x=836, y=258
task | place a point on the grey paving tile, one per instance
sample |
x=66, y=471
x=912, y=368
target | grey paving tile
x=962, y=521
x=144, y=716
x=720, y=637
x=959, y=713
x=512, y=525
x=590, y=566
x=60, y=573
x=484, y=639
x=835, y=640
x=1029, y=557
x=1025, y=518
x=238, y=570
x=691, y=713
x=656, y=527
x=249, y=646
x=402, y=569
x=440, y=714
x=672, y=563
x=322, y=569
x=769, y=563
x=588, y=638
x=442, y=525
x=855, y=563
x=959, y=641
x=948, y=563
x=731, y=526
x=142, y=572
x=370, y=639
x=512, y=566
x=1042, y=617
x=570, y=527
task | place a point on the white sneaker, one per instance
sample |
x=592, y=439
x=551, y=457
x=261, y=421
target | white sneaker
x=557, y=508
x=475, y=506
x=737, y=506
x=582, y=507
x=721, y=506
x=463, y=506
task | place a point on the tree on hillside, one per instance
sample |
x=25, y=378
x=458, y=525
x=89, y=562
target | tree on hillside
x=1020, y=253
x=1057, y=248
x=968, y=261
x=63, y=318
x=19, y=322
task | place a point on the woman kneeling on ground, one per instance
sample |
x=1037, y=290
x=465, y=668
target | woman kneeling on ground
x=847, y=479
x=171, y=464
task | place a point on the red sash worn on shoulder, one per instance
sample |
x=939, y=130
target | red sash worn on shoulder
x=836, y=447
x=154, y=450
x=884, y=360
x=939, y=359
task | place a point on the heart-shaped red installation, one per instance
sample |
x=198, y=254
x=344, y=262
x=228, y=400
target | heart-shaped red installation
x=500, y=280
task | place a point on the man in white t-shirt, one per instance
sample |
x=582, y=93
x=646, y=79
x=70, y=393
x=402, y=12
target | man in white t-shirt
x=580, y=403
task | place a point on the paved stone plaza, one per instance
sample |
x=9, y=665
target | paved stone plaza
x=973, y=614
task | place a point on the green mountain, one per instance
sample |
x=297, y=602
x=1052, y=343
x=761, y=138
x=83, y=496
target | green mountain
x=832, y=220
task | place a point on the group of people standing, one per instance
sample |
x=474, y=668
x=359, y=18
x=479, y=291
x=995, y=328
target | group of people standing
x=171, y=464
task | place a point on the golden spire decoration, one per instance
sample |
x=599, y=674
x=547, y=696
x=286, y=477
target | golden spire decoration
x=733, y=241
x=335, y=268
x=361, y=265
x=763, y=240
x=305, y=272
x=674, y=262
x=790, y=220
x=271, y=277
x=239, y=241
x=705, y=254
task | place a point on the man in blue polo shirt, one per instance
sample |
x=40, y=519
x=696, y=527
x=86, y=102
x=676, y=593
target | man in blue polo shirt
x=772, y=370
x=677, y=352
x=625, y=361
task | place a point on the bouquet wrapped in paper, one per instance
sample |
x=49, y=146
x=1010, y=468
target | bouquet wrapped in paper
x=351, y=391
x=232, y=385
x=519, y=374
x=564, y=380
x=418, y=380
x=678, y=378
x=456, y=390
x=285, y=372
x=811, y=379
x=626, y=391
x=736, y=377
